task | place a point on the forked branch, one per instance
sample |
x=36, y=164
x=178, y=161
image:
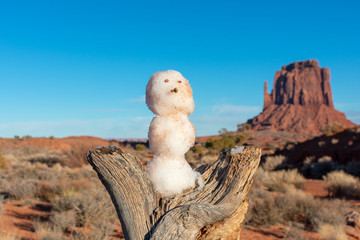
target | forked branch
x=220, y=206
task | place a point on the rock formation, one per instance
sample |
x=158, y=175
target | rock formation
x=300, y=102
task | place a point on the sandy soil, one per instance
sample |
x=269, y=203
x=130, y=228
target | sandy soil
x=17, y=217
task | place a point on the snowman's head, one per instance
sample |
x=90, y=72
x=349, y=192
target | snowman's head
x=168, y=92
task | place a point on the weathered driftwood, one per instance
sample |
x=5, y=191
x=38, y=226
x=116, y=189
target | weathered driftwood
x=214, y=212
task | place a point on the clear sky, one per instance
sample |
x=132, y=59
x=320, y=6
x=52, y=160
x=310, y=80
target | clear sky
x=70, y=68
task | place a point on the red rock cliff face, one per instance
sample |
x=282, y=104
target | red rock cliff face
x=301, y=101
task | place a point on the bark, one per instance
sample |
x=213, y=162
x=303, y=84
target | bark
x=214, y=212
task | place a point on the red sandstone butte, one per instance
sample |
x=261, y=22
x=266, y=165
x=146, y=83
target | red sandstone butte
x=300, y=102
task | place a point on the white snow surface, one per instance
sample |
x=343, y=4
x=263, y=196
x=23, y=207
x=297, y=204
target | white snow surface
x=236, y=150
x=168, y=92
x=171, y=176
x=171, y=134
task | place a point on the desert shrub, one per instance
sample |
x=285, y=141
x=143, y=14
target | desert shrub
x=2, y=161
x=47, y=191
x=295, y=205
x=223, y=131
x=35, y=172
x=90, y=206
x=47, y=231
x=341, y=184
x=209, y=143
x=290, y=145
x=101, y=230
x=331, y=129
x=27, y=137
x=64, y=220
x=329, y=212
x=208, y=159
x=86, y=171
x=294, y=232
x=191, y=158
x=243, y=127
x=273, y=162
x=1, y=204
x=240, y=139
x=140, y=147
x=220, y=144
x=47, y=157
x=8, y=236
x=25, y=189
x=263, y=212
x=197, y=149
x=257, y=193
x=331, y=232
x=280, y=181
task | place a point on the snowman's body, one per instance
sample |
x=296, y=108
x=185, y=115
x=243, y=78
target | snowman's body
x=171, y=134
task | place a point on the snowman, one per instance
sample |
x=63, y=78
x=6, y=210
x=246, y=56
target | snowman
x=171, y=134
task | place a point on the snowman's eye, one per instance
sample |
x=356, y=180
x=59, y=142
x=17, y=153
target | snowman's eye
x=166, y=80
x=179, y=81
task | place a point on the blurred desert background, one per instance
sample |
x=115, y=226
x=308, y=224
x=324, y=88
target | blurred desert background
x=283, y=77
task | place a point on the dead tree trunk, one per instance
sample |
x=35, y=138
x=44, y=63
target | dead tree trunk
x=214, y=212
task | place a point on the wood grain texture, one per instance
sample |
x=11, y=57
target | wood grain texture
x=220, y=206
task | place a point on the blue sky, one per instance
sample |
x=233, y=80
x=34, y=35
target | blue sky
x=70, y=68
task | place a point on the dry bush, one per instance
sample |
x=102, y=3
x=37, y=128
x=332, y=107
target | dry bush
x=295, y=205
x=47, y=231
x=280, y=181
x=341, y=184
x=26, y=189
x=257, y=192
x=140, y=147
x=34, y=172
x=8, y=236
x=64, y=220
x=330, y=212
x=46, y=157
x=86, y=171
x=295, y=233
x=264, y=212
x=331, y=232
x=47, y=191
x=78, y=235
x=1, y=204
x=101, y=230
x=220, y=144
x=36, y=181
x=208, y=159
x=2, y=161
x=273, y=162
x=332, y=129
x=90, y=206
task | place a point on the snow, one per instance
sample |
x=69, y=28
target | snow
x=171, y=134
x=236, y=150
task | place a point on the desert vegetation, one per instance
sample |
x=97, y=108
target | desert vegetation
x=278, y=198
x=78, y=205
x=75, y=205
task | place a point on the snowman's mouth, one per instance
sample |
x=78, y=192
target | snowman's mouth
x=175, y=90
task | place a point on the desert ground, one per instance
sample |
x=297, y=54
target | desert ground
x=48, y=191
